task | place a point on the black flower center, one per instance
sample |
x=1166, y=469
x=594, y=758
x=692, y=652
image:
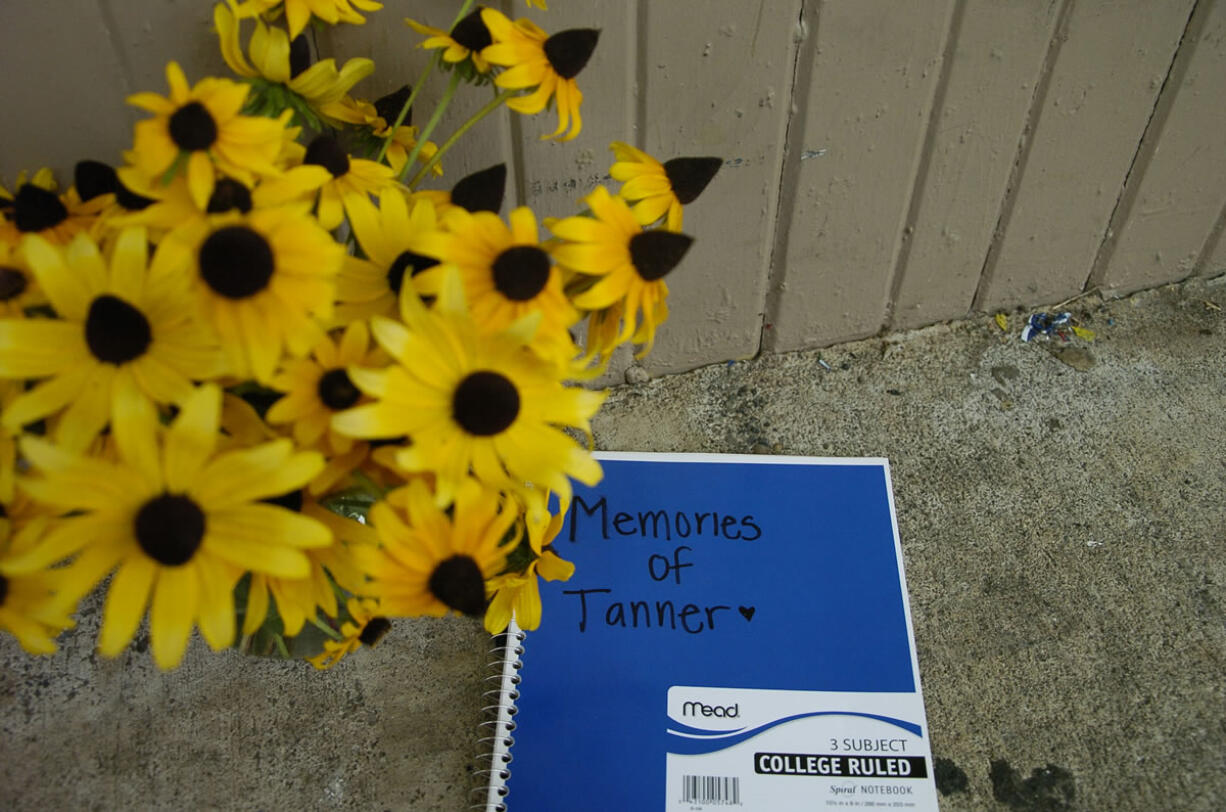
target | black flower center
x=520, y=272
x=407, y=260
x=12, y=283
x=325, y=151
x=299, y=55
x=569, y=51
x=36, y=209
x=457, y=582
x=485, y=403
x=388, y=107
x=130, y=200
x=374, y=630
x=655, y=253
x=192, y=127
x=115, y=331
x=229, y=195
x=336, y=390
x=236, y=262
x=481, y=191
x=689, y=176
x=289, y=501
x=169, y=528
x=471, y=32
x=93, y=178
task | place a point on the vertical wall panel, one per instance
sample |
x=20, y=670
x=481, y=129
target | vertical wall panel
x=555, y=175
x=996, y=64
x=152, y=34
x=399, y=61
x=558, y=173
x=63, y=91
x=1102, y=92
x=1184, y=187
x=720, y=84
x=876, y=66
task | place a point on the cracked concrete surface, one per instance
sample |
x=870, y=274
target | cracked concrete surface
x=1061, y=512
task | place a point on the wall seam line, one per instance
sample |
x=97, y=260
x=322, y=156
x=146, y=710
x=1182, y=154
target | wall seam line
x=640, y=75
x=1211, y=243
x=1176, y=71
x=920, y=180
x=1022, y=156
x=803, y=67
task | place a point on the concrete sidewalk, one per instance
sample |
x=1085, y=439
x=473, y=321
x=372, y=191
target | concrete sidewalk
x=1062, y=517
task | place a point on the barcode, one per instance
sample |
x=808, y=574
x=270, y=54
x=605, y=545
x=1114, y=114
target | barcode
x=711, y=789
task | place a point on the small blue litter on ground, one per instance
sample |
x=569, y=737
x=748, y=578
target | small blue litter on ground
x=1046, y=324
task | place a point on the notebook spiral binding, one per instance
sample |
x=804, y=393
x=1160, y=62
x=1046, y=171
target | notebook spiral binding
x=496, y=740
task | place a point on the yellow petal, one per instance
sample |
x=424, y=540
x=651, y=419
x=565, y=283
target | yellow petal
x=126, y=600
x=227, y=33
x=216, y=611
x=200, y=179
x=257, y=603
x=172, y=615
x=192, y=438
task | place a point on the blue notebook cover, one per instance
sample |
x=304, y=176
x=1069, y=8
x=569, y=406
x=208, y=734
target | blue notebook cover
x=736, y=635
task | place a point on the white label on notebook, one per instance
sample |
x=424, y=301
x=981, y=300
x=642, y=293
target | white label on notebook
x=786, y=751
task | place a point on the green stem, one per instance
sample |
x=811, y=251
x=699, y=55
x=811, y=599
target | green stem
x=369, y=484
x=408, y=103
x=280, y=641
x=431, y=124
x=490, y=106
x=418, y=85
x=324, y=627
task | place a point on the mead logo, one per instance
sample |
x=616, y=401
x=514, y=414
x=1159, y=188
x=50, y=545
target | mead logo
x=719, y=711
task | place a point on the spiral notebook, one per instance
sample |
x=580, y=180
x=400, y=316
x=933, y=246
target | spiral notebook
x=736, y=636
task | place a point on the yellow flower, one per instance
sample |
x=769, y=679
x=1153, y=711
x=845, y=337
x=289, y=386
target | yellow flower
x=349, y=179
x=37, y=209
x=9, y=391
x=631, y=263
x=366, y=627
x=537, y=60
x=261, y=279
x=378, y=118
x=391, y=238
x=171, y=207
x=203, y=123
x=518, y=594
x=119, y=330
x=602, y=337
x=298, y=12
x=659, y=189
x=472, y=401
x=97, y=183
x=467, y=40
x=507, y=275
x=316, y=388
x=432, y=561
x=32, y=608
x=180, y=521
x=277, y=59
x=298, y=598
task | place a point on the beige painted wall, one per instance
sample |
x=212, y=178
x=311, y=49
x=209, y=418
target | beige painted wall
x=887, y=165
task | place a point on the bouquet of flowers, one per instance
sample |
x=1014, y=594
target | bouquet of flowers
x=258, y=380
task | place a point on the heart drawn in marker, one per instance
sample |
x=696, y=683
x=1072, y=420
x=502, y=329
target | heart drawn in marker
x=747, y=611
